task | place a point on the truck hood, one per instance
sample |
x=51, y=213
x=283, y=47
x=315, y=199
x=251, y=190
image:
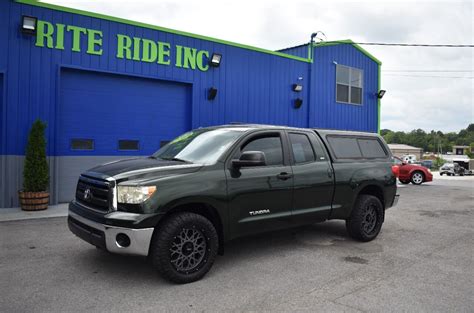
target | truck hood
x=141, y=168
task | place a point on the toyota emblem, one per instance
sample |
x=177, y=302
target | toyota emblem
x=87, y=194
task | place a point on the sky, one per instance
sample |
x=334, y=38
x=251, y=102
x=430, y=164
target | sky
x=428, y=102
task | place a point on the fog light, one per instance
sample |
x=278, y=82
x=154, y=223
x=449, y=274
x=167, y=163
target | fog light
x=122, y=240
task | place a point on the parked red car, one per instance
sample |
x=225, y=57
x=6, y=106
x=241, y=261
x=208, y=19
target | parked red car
x=414, y=173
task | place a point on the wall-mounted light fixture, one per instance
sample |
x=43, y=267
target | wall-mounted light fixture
x=211, y=93
x=28, y=25
x=298, y=103
x=297, y=87
x=215, y=60
x=381, y=93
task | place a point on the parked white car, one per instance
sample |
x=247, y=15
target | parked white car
x=409, y=158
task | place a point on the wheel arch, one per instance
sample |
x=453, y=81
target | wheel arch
x=204, y=209
x=373, y=190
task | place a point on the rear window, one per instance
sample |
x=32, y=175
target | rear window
x=371, y=148
x=345, y=147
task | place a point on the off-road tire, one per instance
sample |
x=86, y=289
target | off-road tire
x=165, y=238
x=357, y=223
x=415, y=178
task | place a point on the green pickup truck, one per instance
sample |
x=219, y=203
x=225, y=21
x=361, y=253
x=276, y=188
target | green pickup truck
x=180, y=205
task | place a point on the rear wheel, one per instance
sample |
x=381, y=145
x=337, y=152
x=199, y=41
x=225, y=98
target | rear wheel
x=184, y=247
x=366, y=218
x=405, y=181
x=417, y=178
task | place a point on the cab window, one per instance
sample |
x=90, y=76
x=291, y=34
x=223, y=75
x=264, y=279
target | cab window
x=270, y=145
x=301, y=148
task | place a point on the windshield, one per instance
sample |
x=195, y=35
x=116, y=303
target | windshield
x=396, y=161
x=203, y=146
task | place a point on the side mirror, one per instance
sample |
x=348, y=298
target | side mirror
x=250, y=158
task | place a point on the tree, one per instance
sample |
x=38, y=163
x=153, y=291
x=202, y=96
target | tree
x=431, y=141
x=36, y=171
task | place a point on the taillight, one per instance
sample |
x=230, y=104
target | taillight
x=396, y=170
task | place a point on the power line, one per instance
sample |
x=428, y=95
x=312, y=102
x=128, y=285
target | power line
x=427, y=76
x=402, y=44
x=411, y=45
x=430, y=71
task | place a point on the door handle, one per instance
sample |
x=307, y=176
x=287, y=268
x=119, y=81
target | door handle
x=329, y=173
x=284, y=176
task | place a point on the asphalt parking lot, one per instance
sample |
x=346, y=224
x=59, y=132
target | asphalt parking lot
x=423, y=261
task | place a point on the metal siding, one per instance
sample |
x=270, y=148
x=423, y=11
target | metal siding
x=331, y=114
x=299, y=51
x=252, y=86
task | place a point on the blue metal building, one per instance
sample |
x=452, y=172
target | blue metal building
x=111, y=88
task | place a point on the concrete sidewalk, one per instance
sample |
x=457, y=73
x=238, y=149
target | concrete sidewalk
x=14, y=214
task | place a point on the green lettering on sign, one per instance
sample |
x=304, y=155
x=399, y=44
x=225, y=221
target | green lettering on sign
x=44, y=31
x=60, y=36
x=92, y=41
x=136, y=48
x=150, y=51
x=130, y=48
x=200, y=60
x=189, y=58
x=178, y=56
x=163, y=53
x=76, y=36
x=123, y=46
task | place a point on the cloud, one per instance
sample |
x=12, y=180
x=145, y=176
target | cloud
x=410, y=102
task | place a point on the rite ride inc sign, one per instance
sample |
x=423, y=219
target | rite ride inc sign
x=129, y=48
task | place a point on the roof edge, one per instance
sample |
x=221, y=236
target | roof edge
x=348, y=42
x=158, y=28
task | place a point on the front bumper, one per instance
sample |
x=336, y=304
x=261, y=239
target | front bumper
x=429, y=177
x=103, y=232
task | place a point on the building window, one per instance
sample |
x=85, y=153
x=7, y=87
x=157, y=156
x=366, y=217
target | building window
x=82, y=144
x=128, y=145
x=349, y=86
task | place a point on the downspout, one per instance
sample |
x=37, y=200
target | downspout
x=378, y=99
x=310, y=57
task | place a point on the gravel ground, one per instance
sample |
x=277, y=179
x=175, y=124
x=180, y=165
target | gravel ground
x=421, y=262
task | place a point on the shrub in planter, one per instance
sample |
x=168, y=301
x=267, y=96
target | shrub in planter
x=35, y=195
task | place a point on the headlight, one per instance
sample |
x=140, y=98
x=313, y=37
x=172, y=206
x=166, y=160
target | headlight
x=134, y=194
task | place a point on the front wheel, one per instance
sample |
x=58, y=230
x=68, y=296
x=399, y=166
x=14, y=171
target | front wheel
x=366, y=218
x=184, y=247
x=417, y=178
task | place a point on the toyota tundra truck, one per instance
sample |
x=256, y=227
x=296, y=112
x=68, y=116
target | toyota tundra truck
x=180, y=205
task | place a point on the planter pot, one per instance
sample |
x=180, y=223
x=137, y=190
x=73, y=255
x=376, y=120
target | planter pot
x=33, y=201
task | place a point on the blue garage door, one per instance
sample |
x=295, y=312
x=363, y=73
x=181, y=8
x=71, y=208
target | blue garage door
x=106, y=108
x=104, y=117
